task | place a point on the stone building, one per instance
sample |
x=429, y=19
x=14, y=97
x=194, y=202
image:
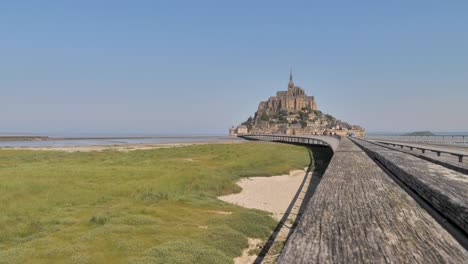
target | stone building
x=292, y=100
x=232, y=132
x=240, y=130
x=293, y=112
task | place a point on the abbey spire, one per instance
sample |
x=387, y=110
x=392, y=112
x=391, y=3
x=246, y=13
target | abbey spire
x=291, y=83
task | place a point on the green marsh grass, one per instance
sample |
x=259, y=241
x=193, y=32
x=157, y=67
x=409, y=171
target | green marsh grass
x=143, y=206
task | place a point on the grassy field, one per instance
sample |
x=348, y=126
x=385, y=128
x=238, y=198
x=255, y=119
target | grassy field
x=144, y=206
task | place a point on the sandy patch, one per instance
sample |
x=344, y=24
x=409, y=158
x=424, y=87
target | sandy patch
x=246, y=258
x=122, y=148
x=218, y=212
x=272, y=194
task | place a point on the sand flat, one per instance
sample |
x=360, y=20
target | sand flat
x=272, y=194
x=120, y=147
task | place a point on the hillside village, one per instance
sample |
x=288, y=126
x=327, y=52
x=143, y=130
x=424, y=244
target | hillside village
x=292, y=112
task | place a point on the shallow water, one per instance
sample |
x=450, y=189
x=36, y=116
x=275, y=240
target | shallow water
x=80, y=140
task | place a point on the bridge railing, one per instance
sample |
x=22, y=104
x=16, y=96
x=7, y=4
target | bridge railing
x=424, y=149
x=461, y=140
x=296, y=139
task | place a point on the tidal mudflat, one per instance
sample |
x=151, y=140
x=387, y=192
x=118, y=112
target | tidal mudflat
x=142, y=206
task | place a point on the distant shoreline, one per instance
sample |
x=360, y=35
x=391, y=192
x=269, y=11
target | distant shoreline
x=35, y=138
x=119, y=147
x=84, y=141
x=22, y=138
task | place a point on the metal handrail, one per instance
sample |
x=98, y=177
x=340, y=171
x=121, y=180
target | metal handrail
x=290, y=138
x=424, y=149
x=438, y=139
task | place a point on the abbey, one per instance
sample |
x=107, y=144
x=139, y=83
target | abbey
x=293, y=112
x=292, y=100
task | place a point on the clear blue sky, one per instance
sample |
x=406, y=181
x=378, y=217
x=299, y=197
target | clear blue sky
x=202, y=66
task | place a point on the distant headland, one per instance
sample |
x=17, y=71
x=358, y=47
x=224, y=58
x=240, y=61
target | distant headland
x=293, y=112
x=23, y=138
x=419, y=133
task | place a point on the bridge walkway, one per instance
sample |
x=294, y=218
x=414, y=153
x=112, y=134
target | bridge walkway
x=446, y=190
x=447, y=148
x=447, y=160
x=358, y=214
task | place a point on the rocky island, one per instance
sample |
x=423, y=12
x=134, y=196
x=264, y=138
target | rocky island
x=293, y=112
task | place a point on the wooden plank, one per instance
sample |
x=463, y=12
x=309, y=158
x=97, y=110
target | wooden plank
x=445, y=189
x=358, y=214
x=445, y=161
x=437, y=149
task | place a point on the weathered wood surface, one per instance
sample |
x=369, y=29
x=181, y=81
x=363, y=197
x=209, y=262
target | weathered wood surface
x=446, y=152
x=447, y=161
x=330, y=141
x=358, y=214
x=449, y=148
x=446, y=190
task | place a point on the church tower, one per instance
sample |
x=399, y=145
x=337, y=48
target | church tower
x=291, y=83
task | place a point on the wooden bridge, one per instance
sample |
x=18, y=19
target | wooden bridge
x=328, y=141
x=380, y=204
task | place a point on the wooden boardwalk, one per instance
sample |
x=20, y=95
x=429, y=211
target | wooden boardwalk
x=442, y=151
x=451, y=147
x=448, y=161
x=446, y=190
x=358, y=214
